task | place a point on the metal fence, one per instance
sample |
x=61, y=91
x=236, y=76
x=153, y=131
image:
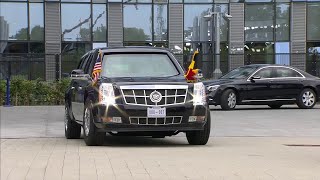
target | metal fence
x=33, y=66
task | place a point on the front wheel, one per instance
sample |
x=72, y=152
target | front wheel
x=72, y=130
x=91, y=135
x=200, y=137
x=306, y=99
x=228, y=99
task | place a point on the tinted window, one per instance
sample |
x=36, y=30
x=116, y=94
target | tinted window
x=264, y=73
x=82, y=62
x=286, y=72
x=239, y=73
x=138, y=65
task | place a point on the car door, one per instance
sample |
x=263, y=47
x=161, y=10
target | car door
x=81, y=87
x=77, y=88
x=287, y=83
x=259, y=89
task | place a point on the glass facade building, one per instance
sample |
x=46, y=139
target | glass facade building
x=266, y=31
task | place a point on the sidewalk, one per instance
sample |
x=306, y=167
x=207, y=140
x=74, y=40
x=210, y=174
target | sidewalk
x=226, y=158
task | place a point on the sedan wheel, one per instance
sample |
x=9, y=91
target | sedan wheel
x=307, y=99
x=228, y=99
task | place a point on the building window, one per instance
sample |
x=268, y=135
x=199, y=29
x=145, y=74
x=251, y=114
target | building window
x=259, y=53
x=313, y=25
x=282, y=55
x=282, y=26
x=259, y=22
x=99, y=22
x=36, y=14
x=137, y=21
x=75, y=25
x=160, y=22
x=196, y=27
x=13, y=21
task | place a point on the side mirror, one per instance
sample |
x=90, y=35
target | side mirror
x=79, y=74
x=255, y=78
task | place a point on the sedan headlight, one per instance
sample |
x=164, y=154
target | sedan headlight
x=199, y=94
x=106, y=94
x=213, y=88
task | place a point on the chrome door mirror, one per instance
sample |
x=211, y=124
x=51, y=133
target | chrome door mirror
x=252, y=78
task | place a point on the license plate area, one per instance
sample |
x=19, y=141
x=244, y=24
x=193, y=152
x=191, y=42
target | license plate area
x=156, y=112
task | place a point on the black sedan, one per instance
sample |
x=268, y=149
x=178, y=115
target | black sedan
x=272, y=85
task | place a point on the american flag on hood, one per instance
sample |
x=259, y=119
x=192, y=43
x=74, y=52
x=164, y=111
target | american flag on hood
x=97, y=67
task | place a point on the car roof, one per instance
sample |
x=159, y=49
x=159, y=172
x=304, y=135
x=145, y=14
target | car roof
x=147, y=49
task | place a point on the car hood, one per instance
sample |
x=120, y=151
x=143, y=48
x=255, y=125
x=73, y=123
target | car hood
x=220, y=81
x=145, y=80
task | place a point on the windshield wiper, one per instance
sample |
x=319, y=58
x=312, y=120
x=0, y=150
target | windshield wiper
x=165, y=77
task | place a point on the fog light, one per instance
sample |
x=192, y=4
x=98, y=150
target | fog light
x=192, y=118
x=116, y=120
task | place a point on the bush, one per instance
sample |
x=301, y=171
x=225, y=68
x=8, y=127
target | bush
x=35, y=92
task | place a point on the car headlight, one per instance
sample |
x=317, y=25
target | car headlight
x=106, y=94
x=213, y=88
x=199, y=94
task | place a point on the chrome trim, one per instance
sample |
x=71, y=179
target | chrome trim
x=156, y=120
x=268, y=100
x=303, y=77
x=155, y=87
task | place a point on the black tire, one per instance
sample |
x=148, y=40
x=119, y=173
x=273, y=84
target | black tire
x=228, y=99
x=72, y=130
x=200, y=137
x=275, y=106
x=309, y=102
x=92, y=137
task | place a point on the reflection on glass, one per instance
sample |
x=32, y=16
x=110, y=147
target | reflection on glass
x=282, y=53
x=313, y=47
x=99, y=22
x=137, y=20
x=198, y=1
x=224, y=24
x=259, y=22
x=36, y=21
x=259, y=53
x=99, y=45
x=196, y=27
x=37, y=48
x=75, y=25
x=15, y=47
x=160, y=20
x=282, y=21
x=14, y=23
x=313, y=25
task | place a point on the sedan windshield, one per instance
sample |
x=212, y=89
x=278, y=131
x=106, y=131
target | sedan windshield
x=138, y=65
x=239, y=73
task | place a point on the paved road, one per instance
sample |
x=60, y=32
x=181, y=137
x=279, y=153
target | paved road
x=20, y=122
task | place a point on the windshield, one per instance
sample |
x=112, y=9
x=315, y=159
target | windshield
x=239, y=73
x=138, y=65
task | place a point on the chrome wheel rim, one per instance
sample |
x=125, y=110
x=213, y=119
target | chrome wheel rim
x=66, y=119
x=308, y=98
x=232, y=100
x=87, y=121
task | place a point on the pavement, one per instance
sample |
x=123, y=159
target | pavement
x=252, y=142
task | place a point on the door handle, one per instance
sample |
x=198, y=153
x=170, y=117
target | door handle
x=79, y=88
x=72, y=88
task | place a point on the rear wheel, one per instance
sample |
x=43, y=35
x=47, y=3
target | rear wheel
x=72, y=130
x=275, y=106
x=91, y=135
x=228, y=99
x=200, y=137
x=307, y=99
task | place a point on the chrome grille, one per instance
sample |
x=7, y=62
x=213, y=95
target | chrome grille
x=155, y=121
x=140, y=94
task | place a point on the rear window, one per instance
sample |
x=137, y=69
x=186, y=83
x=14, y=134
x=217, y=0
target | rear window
x=138, y=65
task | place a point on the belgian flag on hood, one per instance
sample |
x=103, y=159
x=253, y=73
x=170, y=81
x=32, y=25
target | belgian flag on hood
x=191, y=75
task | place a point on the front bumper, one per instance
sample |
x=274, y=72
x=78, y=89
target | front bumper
x=126, y=112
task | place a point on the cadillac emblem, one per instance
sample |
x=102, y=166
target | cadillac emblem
x=155, y=96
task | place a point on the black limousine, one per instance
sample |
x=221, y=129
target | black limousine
x=138, y=91
x=257, y=84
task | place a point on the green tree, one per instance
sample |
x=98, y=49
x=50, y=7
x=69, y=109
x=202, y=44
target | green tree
x=134, y=34
x=99, y=34
x=22, y=34
x=37, y=33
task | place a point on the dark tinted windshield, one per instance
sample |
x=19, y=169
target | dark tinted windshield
x=138, y=65
x=239, y=73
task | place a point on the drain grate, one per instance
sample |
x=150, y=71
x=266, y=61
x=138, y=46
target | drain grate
x=303, y=145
